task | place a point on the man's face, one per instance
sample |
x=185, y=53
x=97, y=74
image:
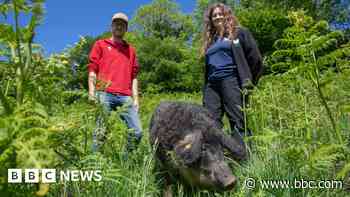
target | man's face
x=119, y=27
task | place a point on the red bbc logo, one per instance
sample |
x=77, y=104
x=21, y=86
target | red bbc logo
x=31, y=176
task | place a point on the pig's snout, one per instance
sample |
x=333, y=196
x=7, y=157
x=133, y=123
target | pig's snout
x=230, y=182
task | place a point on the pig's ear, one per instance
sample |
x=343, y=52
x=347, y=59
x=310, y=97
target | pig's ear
x=189, y=148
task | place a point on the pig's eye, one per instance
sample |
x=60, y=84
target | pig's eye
x=205, y=147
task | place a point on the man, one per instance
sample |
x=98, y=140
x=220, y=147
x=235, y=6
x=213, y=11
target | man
x=112, y=80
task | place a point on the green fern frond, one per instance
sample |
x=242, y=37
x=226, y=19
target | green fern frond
x=34, y=153
x=322, y=44
x=323, y=158
x=280, y=67
x=344, y=172
x=32, y=121
x=31, y=109
x=7, y=156
x=283, y=53
x=336, y=35
x=286, y=43
x=32, y=133
x=331, y=58
x=320, y=26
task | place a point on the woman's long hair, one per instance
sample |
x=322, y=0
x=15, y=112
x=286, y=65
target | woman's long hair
x=209, y=30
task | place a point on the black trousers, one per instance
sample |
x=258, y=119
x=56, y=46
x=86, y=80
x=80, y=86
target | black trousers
x=225, y=96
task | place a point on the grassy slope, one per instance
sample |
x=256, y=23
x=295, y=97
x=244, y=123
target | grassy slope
x=292, y=139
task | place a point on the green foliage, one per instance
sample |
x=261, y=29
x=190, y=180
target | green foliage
x=168, y=65
x=17, y=43
x=266, y=23
x=300, y=116
x=306, y=50
x=25, y=144
x=198, y=15
x=308, y=42
x=77, y=61
x=292, y=133
x=329, y=10
x=162, y=18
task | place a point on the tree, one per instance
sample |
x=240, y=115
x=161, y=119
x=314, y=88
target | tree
x=168, y=65
x=266, y=24
x=162, y=18
x=328, y=10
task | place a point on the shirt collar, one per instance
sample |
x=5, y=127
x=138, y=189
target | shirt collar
x=123, y=43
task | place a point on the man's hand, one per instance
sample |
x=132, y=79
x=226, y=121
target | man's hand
x=92, y=83
x=135, y=93
x=92, y=98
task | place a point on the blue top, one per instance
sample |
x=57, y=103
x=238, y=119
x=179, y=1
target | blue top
x=220, y=61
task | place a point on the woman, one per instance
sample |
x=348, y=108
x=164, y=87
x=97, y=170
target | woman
x=232, y=63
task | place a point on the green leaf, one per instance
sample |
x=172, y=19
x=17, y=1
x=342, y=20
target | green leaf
x=346, y=108
x=344, y=172
x=4, y=8
x=7, y=33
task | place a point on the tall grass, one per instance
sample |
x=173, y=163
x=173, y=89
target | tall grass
x=292, y=140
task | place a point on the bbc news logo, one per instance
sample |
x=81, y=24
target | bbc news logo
x=51, y=176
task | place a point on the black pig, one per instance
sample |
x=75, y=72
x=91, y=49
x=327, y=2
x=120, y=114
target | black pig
x=189, y=145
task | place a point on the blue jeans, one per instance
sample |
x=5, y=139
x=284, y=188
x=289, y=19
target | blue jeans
x=129, y=115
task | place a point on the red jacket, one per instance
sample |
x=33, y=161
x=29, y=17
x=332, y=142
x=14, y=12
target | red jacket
x=115, y=65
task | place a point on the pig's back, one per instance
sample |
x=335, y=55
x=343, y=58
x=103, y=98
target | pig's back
x=171, y=121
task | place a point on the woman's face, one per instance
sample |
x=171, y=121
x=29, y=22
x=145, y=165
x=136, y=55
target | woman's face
x=217, y=18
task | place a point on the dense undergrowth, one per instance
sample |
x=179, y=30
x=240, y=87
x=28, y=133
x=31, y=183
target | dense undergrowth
x=299, y=113
x=293, y=139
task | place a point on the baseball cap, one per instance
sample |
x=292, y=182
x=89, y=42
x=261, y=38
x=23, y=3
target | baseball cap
x=121, y=16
